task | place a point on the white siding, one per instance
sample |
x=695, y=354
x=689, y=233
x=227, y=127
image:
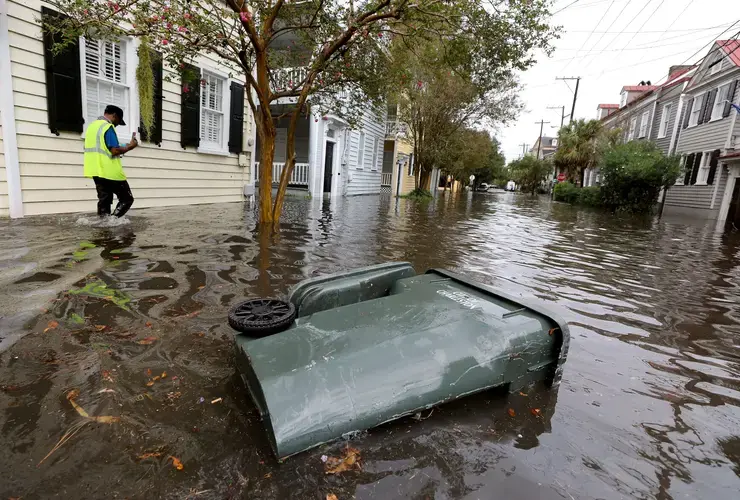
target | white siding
x=51, y=166
x=366, y=179
x=3, y=179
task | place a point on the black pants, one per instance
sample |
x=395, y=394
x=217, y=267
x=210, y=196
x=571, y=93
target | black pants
x=106, y=189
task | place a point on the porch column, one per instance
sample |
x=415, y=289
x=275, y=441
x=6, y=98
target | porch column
x=314, y=160
x=7, y=114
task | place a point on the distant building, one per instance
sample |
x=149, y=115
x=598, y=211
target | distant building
x=604, y=110
x=549, y=146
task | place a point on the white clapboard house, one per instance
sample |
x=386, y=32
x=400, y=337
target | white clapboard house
x=198, y=151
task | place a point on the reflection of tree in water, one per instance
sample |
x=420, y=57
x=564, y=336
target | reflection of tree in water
x=731, y=449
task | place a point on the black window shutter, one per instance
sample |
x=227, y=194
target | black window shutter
x=190, y=106
x=730, y=100
x=63, y=81
x=713, y=162
x=705, y=105
x=156, y=131
x=687, y=111
x=711, y=97
x=695, y=168
x=236, y=118
x=688, y=164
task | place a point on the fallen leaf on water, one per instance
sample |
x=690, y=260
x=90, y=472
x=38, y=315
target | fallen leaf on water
x=148, y=324
x=153, y=454
x=156, y=377
x=106, y=376
x=100, y=328
x=72, y=395
x=268, y=475
x=201, y=287
x=150, y=383
x=512, y=413
x=147, y=340
x=176, y=463
x=331, y=496
x=106, y=419
x=51, y=325
x=536, y=412
x=217, y=400
x=522, y=394
x=102, y=391
x=149, y=372
x=164, y=375
x=551, y=331
x=350, y=460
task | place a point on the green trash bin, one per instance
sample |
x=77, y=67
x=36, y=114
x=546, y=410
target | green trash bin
x=375, y=344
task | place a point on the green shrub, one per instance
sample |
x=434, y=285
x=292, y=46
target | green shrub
x=590, y=196
x=566, y=192
x=418, y=195
x=632, y=175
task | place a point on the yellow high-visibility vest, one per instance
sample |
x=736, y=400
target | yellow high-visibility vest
x=99, y=162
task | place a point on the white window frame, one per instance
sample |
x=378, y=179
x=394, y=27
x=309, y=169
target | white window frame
x=719, y=103
x=374, y=166
x=682, y=171
x=622, y=99
x=664, y=118
x=204, y=147
x=703, y=175
x=644, y=124
x=131, y=115
x=718, y=66
x=633, y=129
x=696, y=109
x=361, y=151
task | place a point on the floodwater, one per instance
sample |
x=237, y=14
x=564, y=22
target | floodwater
x=647, y=408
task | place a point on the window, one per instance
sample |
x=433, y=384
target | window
x=633, y=126
x=696, y=110
x=361, y=151
x=644, y=124
x=554, y=143
x=106, y=82
x=682, y=169
x=701, y=178
x=623, y=100
x=374, y=166
x=664, y=117
x=719, y=103
x=716, y=65
x=212, y=112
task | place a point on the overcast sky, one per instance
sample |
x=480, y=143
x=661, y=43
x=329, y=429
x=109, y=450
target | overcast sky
x=633, y=40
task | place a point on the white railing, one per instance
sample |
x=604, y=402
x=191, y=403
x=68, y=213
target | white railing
x=298, y=178
x=287, y=78
x=386, y=178
x=395, y=129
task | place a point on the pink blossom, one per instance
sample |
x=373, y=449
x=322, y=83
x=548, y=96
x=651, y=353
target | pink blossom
x=169, y=26
x=245, y=16
x=155, y=18
x=182, y=29
x=86, y=12
x=185, y=88
x=187, y=16
x=165, y=41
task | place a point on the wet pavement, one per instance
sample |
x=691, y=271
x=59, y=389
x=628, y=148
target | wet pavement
x=130, y=323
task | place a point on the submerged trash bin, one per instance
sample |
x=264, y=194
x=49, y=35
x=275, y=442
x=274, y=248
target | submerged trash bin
x=374, y=344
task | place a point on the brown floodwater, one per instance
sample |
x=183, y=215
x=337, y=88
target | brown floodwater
x=647, y=408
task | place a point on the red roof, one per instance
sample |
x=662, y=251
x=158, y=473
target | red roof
x=732, y=48
x=639, y=88
x=730, y=155
x=608, y=106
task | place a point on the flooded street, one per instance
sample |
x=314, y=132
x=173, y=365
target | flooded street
x=130, y=322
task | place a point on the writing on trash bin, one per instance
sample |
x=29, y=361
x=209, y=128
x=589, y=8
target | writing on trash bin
x=461, y=298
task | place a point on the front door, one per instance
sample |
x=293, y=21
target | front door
x=328, y=164
x=733, y=214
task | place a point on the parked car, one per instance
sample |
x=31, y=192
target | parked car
x=510, y=186
x=483, y=187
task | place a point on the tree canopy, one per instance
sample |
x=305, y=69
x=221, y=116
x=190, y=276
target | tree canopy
x=529, y=172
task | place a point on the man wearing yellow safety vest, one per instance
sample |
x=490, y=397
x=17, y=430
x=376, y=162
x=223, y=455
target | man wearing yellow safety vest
x=103, y=162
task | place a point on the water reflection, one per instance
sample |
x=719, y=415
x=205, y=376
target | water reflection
x=648, y=406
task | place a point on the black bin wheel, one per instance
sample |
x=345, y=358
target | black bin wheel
x=262, y=317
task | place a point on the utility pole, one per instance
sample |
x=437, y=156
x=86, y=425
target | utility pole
x=539, y=142
x=562, y=113
x=575, y=94
x=524, y=148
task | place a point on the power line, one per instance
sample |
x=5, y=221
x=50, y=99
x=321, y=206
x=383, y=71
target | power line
x=569, y=5
x=605, y=32
x=647, y=32
x=643, y=24
x=671, y=25
x=590, y=34
x=630, y=22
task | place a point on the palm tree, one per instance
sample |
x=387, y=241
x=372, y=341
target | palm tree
x=579, y=147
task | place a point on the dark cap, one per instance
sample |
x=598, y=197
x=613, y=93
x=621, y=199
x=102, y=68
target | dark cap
x=115, y=110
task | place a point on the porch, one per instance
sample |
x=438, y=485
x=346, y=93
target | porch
x=301, y=176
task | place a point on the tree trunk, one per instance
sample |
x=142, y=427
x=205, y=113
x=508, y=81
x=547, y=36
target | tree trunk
x=267, y=155
x=424, y=178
